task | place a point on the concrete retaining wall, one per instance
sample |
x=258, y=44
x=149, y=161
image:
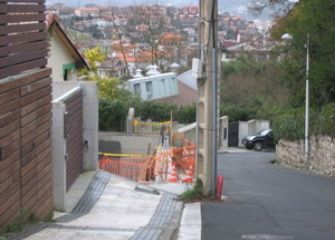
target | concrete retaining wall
x=321, y=158
x=115, y=142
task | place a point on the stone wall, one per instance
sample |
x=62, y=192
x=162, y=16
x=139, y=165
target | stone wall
x=321, y=156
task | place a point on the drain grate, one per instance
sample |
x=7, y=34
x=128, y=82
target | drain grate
x=264, y=236
x=158, y=221
x=92, y=194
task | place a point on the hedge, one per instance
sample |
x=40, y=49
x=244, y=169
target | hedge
x=113, y=113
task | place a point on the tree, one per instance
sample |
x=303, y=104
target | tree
x=150, y=16
x=278, y=7
x=108, y=87
x=317, y=18
x=95, y=56
x=248, y=82
x=120, y=34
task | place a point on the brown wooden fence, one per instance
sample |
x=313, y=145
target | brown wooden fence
x=25, y=147
x=23, y=37
x=25, y=113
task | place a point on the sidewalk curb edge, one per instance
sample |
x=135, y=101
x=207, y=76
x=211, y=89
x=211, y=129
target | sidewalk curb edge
x=171, y=230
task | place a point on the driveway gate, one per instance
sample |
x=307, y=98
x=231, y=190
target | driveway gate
x=233, y=134
x=73, y=134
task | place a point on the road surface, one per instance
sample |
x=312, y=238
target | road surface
x=269, y=202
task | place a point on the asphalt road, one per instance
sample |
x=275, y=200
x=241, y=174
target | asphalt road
x=269, y=202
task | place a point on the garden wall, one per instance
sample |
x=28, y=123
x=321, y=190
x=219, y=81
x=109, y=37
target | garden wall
x=321, y=157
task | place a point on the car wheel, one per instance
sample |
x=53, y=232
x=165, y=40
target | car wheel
x=258, y=146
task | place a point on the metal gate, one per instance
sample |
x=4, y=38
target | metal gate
x=73, y=132
x=233, y=134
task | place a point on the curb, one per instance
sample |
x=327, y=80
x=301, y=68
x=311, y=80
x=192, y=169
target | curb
x=169, y=233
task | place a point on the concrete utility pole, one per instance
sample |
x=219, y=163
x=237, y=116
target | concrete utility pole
x=207, y=96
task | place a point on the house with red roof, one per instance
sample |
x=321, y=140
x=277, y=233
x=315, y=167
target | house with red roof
x=87, y=12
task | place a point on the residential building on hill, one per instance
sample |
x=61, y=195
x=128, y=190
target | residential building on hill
x=87, y=12
x=64, y=58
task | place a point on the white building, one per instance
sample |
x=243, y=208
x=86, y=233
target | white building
x=64, y=58
x=155, y=85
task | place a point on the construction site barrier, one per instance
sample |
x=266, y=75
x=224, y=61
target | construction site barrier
x=130, y=167
x=166, y=165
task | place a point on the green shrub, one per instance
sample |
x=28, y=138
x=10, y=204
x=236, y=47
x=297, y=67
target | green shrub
x=194, y=194
x=290, y=125
x=186, y=114
x=155, y=111
x=237, y=112
x=112, y=115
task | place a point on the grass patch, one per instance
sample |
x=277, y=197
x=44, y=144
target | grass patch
x=24, y=220
x=195, y=194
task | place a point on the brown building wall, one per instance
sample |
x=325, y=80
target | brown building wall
x=186, y=96
x=25, y=147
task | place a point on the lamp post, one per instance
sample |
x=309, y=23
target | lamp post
x=288, y=37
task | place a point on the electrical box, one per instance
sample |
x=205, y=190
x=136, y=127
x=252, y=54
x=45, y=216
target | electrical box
x=196, y=68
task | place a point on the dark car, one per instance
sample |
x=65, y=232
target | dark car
x=264, y=139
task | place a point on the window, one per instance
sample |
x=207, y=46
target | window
x=148, y=87
x=137, y=89
x=69, y=71
x=173, y=86
x=164, y=88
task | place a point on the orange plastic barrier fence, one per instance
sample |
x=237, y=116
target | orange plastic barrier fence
x=185, y=156
x=166, y=165
x=133, y=168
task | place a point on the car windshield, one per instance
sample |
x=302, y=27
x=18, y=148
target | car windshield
x=264, y=132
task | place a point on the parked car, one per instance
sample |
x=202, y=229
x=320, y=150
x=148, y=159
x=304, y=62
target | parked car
x=264, y=139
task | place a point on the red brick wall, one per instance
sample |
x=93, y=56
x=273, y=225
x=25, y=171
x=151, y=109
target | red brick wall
x=25, y=147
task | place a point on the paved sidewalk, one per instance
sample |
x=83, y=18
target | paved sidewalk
x=111, y=208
